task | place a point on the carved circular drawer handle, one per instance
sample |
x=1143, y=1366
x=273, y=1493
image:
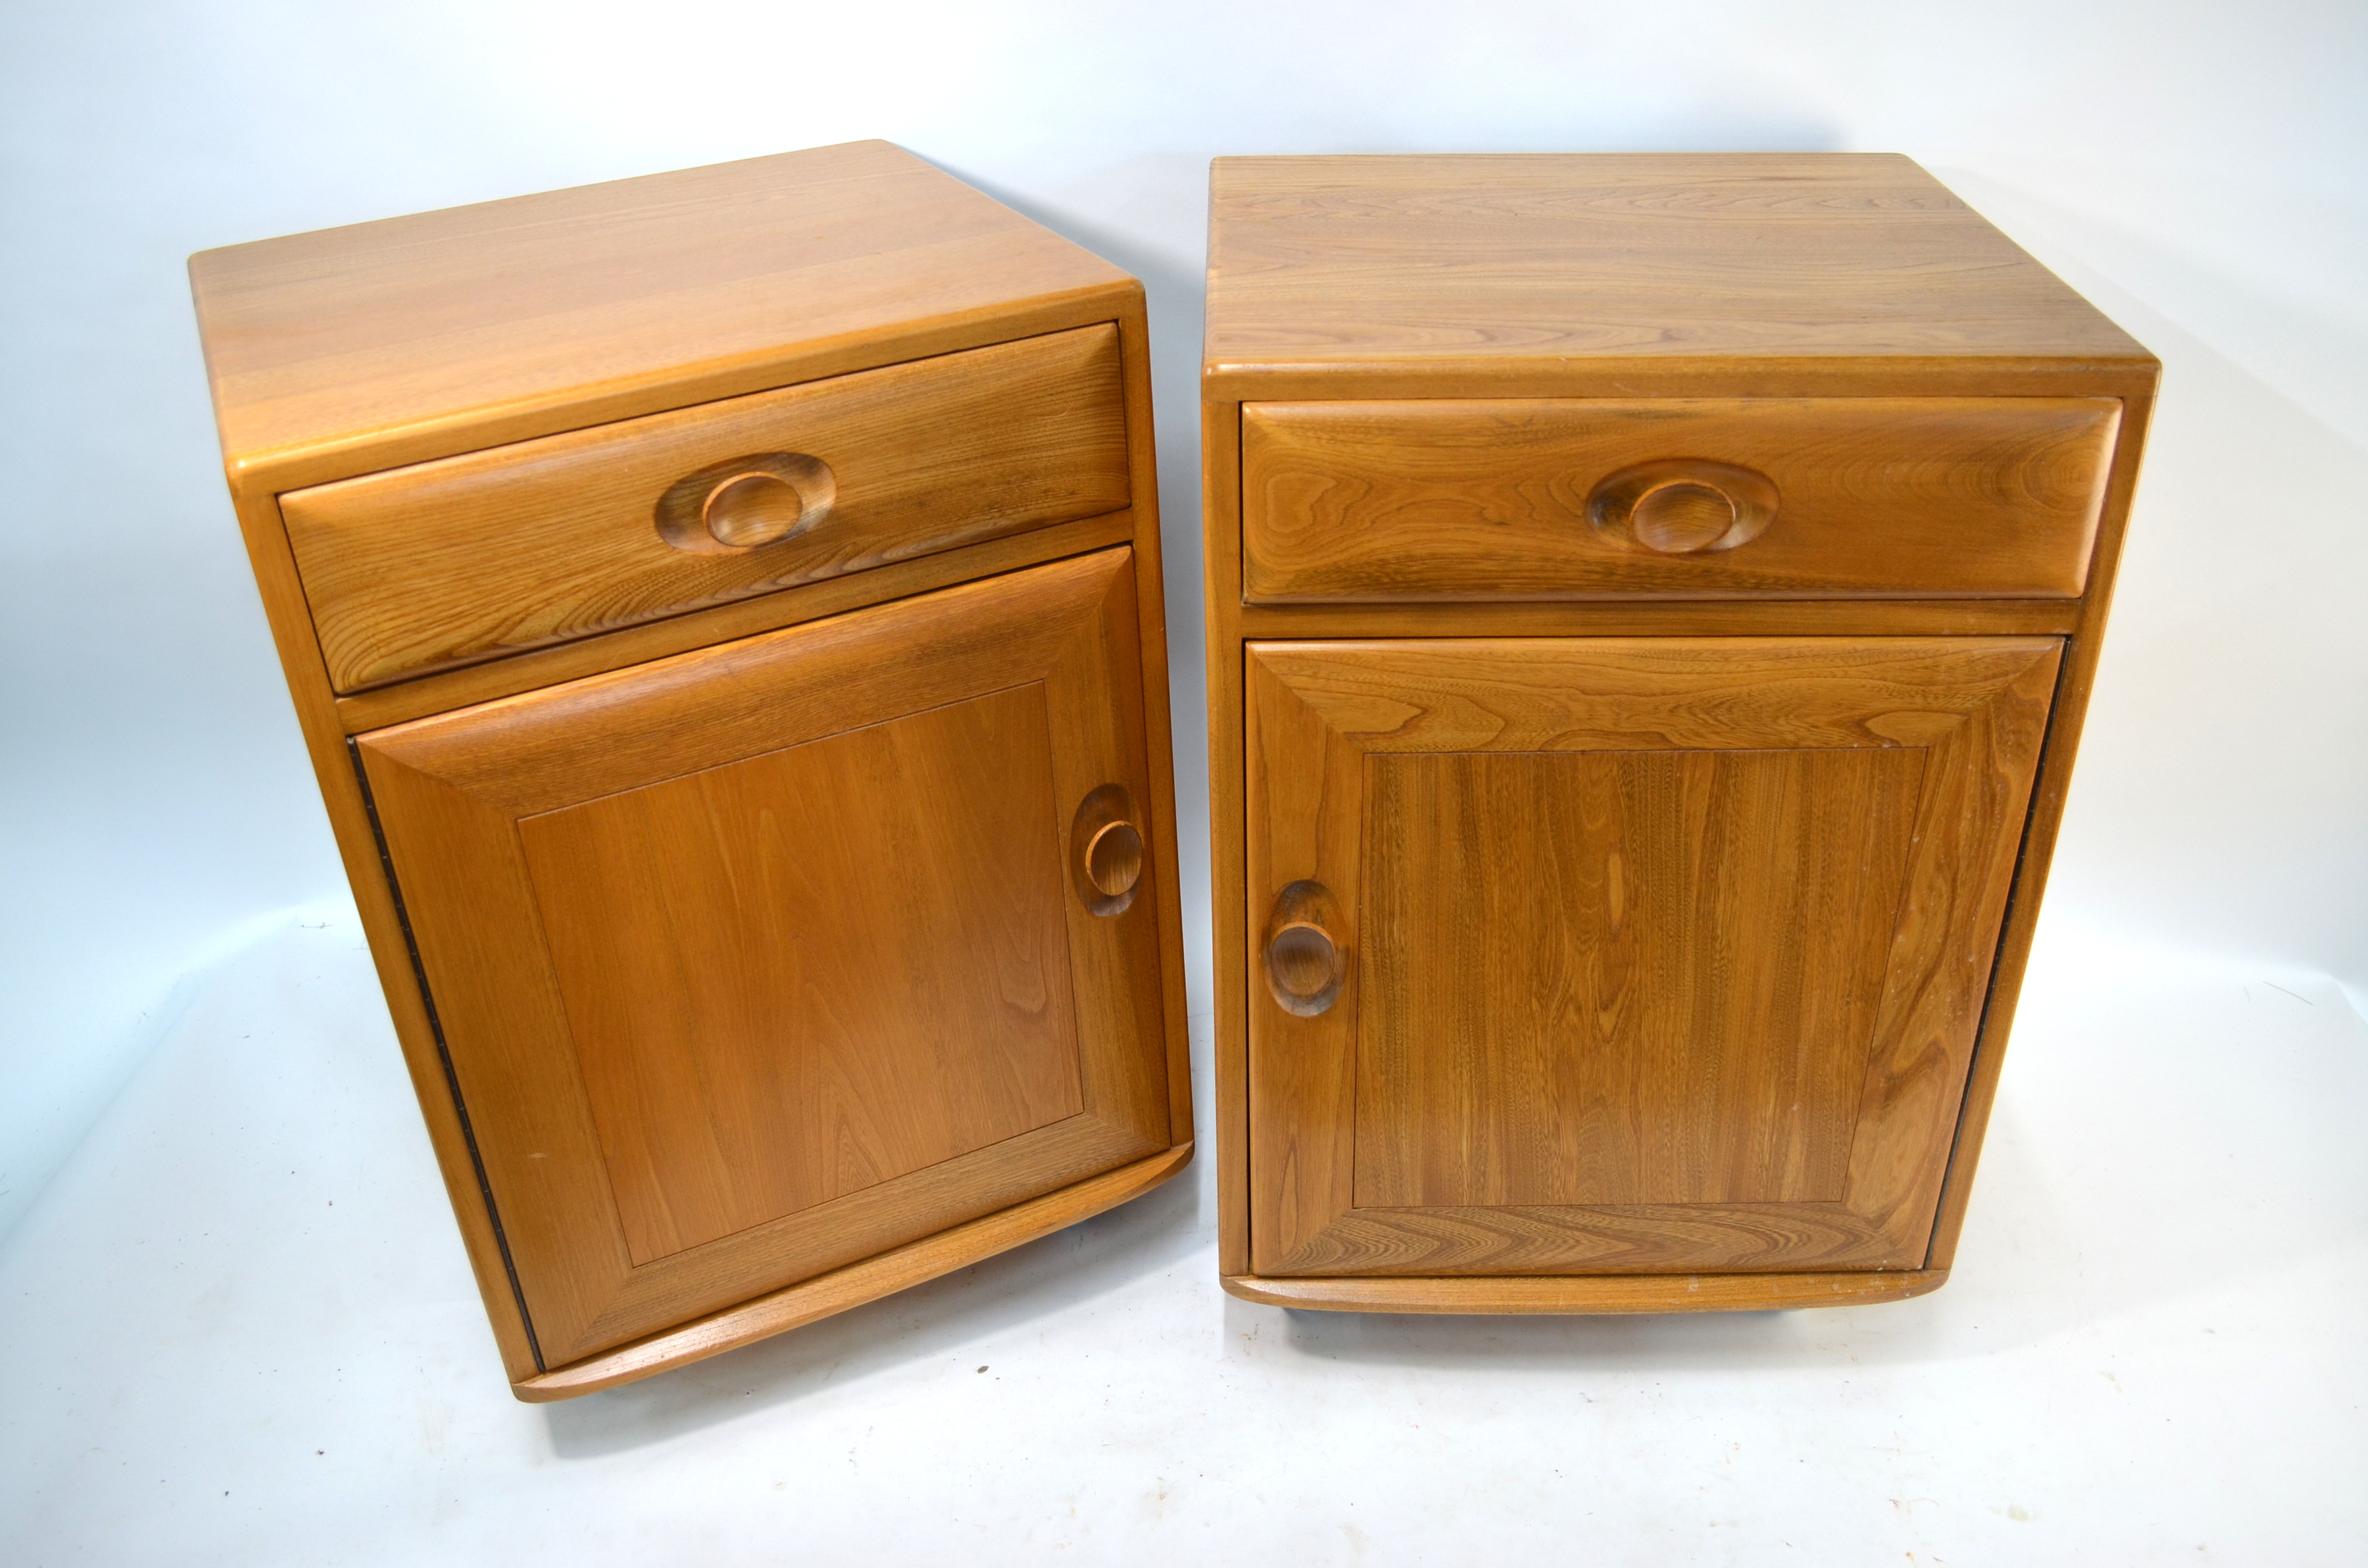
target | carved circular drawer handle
x=1682, y=505
x=747, y=503
x=1304, y=965
x=1106, y=853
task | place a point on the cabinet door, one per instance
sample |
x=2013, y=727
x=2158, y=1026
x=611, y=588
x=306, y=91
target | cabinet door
x=1621, y=956
x=765, y=959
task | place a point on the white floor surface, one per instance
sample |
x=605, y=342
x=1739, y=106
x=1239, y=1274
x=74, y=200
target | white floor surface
x=239, y=1329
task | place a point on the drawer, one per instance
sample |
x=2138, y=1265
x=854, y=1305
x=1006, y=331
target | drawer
x=1566, y=498
x=468, y=558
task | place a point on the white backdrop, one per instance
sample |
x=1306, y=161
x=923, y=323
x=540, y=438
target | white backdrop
x=2201, y=171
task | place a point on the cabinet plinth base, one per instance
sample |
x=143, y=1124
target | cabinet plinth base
x=813, y=1300
x=1602, y=1293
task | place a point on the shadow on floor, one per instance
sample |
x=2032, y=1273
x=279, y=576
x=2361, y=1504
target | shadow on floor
x=1055, y=1273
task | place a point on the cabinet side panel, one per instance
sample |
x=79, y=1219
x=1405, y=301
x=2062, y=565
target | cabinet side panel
x=2048, y=793
x=1220, y=571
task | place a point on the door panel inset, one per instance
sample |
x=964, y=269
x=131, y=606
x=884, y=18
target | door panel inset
x=1587, y=973
x=801, y=975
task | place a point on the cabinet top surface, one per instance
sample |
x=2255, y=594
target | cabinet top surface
x=1525, y=265
x=506, y=313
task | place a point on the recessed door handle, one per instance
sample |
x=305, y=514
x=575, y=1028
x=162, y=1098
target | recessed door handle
x=1304, y=965
x=1106, y=852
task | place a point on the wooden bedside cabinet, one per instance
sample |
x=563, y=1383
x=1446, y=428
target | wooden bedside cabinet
x=1652, y=602
x=723, y=610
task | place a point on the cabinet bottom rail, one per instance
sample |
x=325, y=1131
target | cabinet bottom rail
x=1576, y=1294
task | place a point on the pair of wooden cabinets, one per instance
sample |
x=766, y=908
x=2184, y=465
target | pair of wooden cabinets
x=1651, y=602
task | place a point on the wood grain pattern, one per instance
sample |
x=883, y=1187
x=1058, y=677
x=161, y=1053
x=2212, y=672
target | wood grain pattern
x=1484, y=499
x=801, y=975
x=1341, y=733
x=1622, y=1238
x=1661, y=618
x=572, y=1078
x=1521, y=275
x=472, y=557
x=360, y=349
x=380, y=707
x=1645, y=693
x=1590, y=1294
x=1591, y=975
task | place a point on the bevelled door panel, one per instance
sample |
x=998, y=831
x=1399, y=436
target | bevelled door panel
x=768, y=958
x=721, y=942
x=1621, y=956
x=1586, y=999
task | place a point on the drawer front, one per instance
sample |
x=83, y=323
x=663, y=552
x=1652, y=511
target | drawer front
x=1554, y=498
x=468, y=558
